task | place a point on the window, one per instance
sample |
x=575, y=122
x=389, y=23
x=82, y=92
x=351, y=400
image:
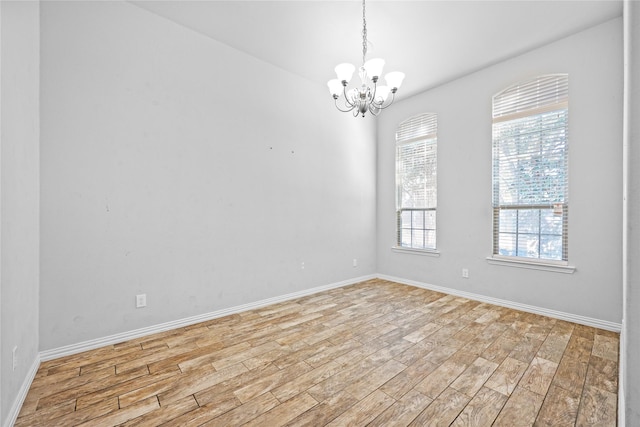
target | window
x=530, y=169
x=416, y=195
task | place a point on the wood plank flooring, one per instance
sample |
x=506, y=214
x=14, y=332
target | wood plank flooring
x=376, y=353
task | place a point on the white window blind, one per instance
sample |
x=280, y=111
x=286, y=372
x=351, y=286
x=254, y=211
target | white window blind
x=530, y=169
x=416, y=181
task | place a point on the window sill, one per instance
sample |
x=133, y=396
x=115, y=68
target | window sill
x=532, y=265
x=424, y=252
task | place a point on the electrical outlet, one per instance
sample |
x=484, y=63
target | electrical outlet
x=302, y=265
x=141, y=300
x=465, y=273
x=355, y=262
x=14, y=358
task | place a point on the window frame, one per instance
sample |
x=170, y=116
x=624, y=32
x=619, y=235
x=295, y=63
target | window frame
x=533, y=99
x=421, y=128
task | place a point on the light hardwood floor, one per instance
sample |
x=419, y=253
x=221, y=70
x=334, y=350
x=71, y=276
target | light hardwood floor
x=376, y=353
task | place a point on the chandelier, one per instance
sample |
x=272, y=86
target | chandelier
x=369, y=96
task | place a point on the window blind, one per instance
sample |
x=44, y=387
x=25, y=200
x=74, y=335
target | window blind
x=541, y=93
x=530, y=169
x=417, y=174
x=423, y=126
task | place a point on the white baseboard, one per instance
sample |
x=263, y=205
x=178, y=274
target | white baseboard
x=137, y=333
x=22, y=393
x=588, y=321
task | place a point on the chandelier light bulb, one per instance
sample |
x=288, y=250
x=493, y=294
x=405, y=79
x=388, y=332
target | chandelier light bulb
x=374, y=67
x=394, y=79
x=345, y=72
x=335, y=87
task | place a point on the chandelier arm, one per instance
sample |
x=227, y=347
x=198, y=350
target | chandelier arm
x=375, y=88
x=382, y=106
x=346, y=98
x=349, y=108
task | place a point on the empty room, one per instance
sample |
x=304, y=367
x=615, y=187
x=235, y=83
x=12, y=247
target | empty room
x=310, y=213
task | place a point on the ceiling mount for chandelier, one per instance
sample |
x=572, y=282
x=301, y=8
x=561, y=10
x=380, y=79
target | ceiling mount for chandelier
x=369, y=96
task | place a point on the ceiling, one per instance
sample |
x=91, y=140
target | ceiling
x=431, y=41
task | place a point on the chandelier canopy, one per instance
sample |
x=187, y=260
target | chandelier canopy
x=369, y=96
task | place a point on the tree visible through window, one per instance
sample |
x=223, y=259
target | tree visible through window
x=530, y=169
x=416, y=179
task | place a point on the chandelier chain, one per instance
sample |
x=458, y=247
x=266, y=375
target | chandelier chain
x=364, y=33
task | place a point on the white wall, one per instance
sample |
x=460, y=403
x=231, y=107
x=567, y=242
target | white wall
x=593, y=59
x=19, y=220
x=176, y=166
x=629, y=393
